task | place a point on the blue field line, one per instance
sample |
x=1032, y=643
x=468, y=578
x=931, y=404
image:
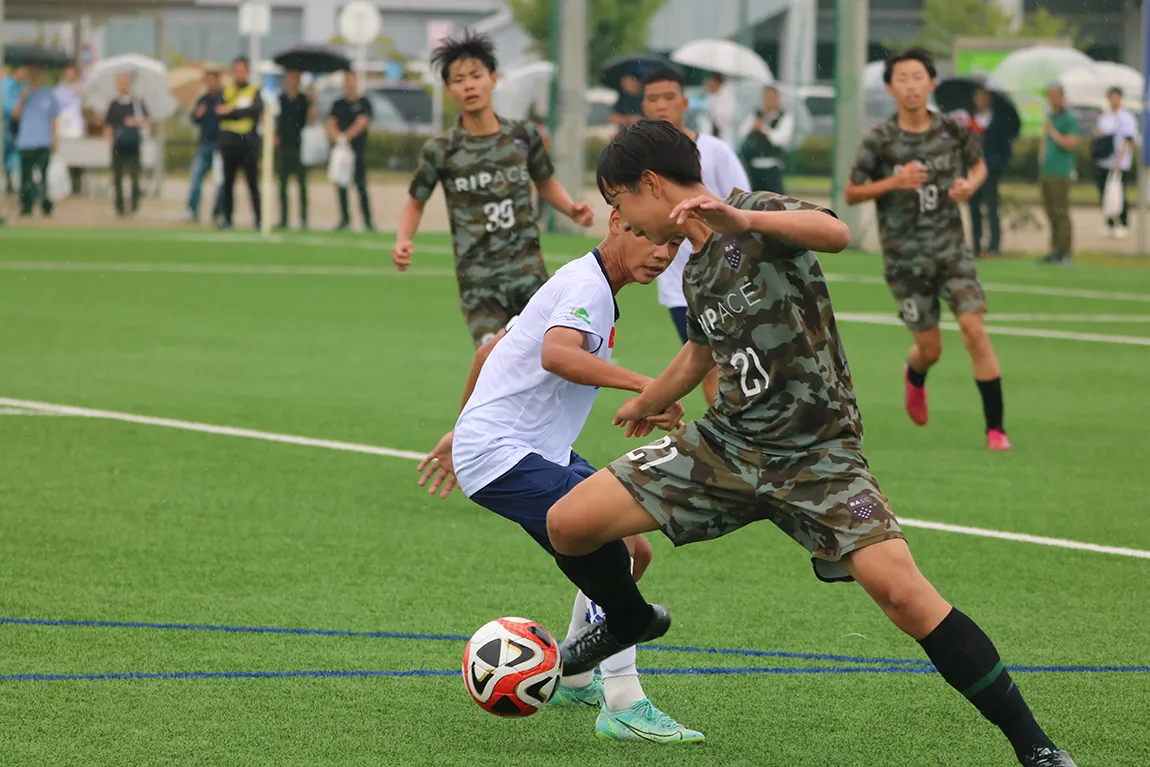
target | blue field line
x=732, y=671
x=436, y=637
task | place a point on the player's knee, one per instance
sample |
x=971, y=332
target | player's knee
x=974, y=334
x=930, y=351
x=565, y=529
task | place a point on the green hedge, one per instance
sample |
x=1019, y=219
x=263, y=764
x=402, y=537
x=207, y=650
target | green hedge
x=400, y=152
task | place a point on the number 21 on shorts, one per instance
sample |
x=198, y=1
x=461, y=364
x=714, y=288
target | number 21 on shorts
x=654, y=447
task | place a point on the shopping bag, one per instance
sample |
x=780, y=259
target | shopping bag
x=59, y=181
x=314, y=148
x=1112, y=195
x=217, y=169
x=341, y=165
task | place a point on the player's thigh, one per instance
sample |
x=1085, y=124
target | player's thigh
x=916, y=295
x=485, y=311
x=694, y=486
x=961, y=287
x=599, y=510
x=828, y=502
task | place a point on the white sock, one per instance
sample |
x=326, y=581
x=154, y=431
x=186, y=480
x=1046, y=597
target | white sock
x=621, y=685
x=579, y=622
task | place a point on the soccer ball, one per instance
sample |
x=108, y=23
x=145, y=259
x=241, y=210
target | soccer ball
x=511, y=667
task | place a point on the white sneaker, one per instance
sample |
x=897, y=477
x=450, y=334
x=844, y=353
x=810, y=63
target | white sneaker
x=1120, y=233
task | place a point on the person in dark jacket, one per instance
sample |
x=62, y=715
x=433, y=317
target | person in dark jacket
x=239, y=140
x=296, y=111
x=997, y=131
x=204, y=115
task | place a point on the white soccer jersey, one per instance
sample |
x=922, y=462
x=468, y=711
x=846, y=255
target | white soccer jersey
x=722, y=174
x=519, y=408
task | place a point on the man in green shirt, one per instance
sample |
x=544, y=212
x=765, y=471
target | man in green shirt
x=1056, y=161
x=296, y=111
x=349, y=121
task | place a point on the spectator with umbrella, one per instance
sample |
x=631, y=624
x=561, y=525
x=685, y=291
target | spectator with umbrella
x=124, y=126
x=36, y=111
x=989, y=113
x=204, y=115
x=295, y=112
x=767, y=139
x=625, y=75
x=239, y=140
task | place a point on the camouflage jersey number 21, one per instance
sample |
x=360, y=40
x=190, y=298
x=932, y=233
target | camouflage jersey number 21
x=488, y=183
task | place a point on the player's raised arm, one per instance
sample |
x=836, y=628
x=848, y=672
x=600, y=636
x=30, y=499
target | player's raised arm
x=567, y=354
x=422, y=185
x=804, y=226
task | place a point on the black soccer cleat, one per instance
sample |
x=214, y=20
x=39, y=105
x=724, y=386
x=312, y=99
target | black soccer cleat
x=595, y=644
x=1043, y=756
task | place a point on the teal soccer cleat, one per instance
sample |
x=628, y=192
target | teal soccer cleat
x=590, y=696
x=643, y=722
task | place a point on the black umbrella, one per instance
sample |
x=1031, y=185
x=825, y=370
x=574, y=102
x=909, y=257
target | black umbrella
x=638, y=65
x=320, y=59
x=955, y=93
x=27, y=55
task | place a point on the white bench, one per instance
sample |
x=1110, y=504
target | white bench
x=94, y=157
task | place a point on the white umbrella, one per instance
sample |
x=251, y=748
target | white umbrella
x=1090, y=87
x=724, y=57
x=149, y=84
x=1032, y=69
x=522, y=86
x=872, y=76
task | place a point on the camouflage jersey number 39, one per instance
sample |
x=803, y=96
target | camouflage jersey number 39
x=488, y=184
x=764, y=309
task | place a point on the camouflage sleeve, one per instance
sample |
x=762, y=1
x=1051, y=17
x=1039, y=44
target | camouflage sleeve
x=866, y=167
x=695, y=332
x=538, y=158
x=775, y=248
x=427, y=172
x=970, y=146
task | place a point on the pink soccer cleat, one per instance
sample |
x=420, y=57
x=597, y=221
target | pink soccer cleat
x=997, y=440
x=915, y=400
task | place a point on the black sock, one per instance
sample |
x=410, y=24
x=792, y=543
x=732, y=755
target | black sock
x=992, y=407
x=968, y=661
x=915, y=378
x=605, y=578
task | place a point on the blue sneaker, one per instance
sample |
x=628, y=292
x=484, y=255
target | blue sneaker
x=643, y=722
x=590, y=696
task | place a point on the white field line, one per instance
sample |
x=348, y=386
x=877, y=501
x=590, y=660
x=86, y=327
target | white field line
x=1004, y=287
x=1002, y=330
x=351, y=447
x=192, y=268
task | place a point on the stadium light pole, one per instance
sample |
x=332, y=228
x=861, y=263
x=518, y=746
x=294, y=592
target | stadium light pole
x=851, y=27
x=569, y=146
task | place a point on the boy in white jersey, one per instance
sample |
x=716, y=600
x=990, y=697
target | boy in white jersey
x=527, y=398
x=663, y=99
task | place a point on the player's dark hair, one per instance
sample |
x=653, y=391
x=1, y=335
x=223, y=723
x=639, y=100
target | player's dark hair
x=921, y=55
x=470, y=45
x=654, y=145
x=664, y=75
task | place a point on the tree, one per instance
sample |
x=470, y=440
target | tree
x=944, y=20
x=614, y=27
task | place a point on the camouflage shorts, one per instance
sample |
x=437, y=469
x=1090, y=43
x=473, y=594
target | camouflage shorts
x=489, y=306
x=918, y=291
x=698, y=487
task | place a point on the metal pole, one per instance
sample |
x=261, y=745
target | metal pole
x=569, y=143
x=1144, y=165
x=160, y=137
x=851, y=21
x=361, y=64
x=437, y=102
x=745, y=33
x=267, y=163
x=553, y=89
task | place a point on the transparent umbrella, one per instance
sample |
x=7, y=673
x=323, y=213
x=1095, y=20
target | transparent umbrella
x=1032, y=69
x=149, y=84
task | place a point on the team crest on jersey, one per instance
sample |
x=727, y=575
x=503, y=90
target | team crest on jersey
x=733, y=254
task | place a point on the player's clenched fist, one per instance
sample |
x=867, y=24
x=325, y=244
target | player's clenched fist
x=401, y=254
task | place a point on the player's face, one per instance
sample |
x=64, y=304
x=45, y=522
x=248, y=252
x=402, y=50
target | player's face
x=645, y=209
x=644, y=260
x=910, y=85
x=664, y=101
x=470, y=84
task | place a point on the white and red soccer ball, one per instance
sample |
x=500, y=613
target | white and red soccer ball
x=511, y=667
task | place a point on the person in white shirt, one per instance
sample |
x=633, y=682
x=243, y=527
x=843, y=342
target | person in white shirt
x=765, y=140
x=721, y=107
x=527, y=398
x=663, y=99
x=1118, y=124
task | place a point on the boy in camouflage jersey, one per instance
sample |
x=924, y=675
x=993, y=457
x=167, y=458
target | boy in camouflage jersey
x=781, y=444
x=487, y=165
x=912, y=166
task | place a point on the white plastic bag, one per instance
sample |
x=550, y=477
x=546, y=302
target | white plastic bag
x=1112, y=195
x=341, y=165
x=314, y=148
x=59, y=181
x=217, y=169
x=70, y=124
